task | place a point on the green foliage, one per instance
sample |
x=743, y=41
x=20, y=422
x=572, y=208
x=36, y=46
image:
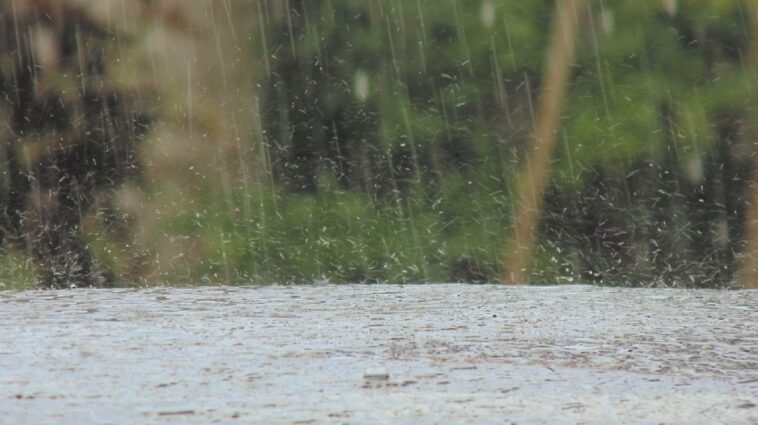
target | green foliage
x=453, y=88
x=396, y=131
x=17, y=272
x=341, y=236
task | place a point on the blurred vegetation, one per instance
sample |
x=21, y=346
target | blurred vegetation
x=381, y=140
x=69, y=137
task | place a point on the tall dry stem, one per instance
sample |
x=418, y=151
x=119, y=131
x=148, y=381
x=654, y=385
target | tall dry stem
x=749, y=268
x=533, y=178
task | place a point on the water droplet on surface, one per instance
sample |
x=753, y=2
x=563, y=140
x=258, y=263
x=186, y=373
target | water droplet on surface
x=375, y=377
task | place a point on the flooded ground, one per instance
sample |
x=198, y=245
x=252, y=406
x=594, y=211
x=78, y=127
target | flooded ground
x=359, y=354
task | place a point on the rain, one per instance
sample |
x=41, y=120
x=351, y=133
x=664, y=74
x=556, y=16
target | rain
x=147, y=143
x=545, y=149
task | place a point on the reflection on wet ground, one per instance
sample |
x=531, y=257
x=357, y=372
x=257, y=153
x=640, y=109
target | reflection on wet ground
x=319, y=354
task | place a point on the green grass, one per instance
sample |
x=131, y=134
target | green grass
x=17, y=272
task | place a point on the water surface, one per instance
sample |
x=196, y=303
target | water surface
x=454, y=354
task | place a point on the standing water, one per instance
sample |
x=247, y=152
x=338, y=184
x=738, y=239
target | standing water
x=380, y=354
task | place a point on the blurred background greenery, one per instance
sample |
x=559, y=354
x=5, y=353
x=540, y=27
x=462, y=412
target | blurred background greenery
x=381, y=140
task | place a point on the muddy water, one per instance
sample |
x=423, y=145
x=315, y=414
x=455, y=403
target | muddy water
x=379, y=354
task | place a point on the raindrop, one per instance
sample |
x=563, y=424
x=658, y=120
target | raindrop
x=361, y=85
x=487, y=13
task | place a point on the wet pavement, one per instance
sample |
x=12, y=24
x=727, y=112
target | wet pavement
x=363, y=354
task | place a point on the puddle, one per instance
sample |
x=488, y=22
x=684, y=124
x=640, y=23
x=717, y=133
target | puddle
x=379, y=354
